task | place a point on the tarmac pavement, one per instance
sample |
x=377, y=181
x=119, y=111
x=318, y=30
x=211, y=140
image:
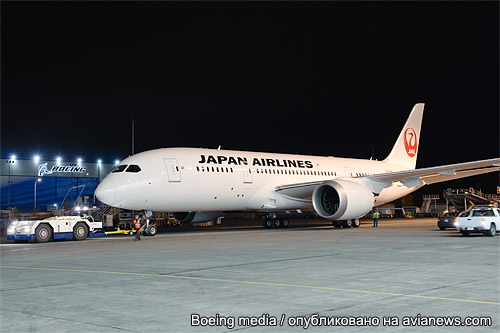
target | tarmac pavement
x=241, y=277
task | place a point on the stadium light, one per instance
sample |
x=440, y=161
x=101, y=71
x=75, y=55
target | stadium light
x=36, y=158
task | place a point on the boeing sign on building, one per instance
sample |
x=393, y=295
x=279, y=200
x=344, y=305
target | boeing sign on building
x=43, y=170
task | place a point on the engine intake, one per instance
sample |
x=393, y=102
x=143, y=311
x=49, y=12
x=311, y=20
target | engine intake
x=342, y=200
x=196, y=217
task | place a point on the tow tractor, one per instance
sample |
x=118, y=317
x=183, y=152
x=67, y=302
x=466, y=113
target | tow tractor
x=77, y=227
x=57, y=227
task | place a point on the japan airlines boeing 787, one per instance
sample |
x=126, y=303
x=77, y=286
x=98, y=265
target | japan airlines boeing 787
x=199, y=185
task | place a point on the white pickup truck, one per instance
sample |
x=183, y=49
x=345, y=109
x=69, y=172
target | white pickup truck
x=57, y=227
x=482, y=219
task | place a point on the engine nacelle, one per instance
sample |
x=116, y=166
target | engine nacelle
x=196, y=217
x=342, y=200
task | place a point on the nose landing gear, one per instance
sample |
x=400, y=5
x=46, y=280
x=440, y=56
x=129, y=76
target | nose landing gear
x=149, y=229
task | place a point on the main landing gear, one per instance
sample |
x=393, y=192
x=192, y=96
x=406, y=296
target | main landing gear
x=346, y=223
x=274, y=221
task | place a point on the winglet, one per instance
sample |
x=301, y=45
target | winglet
x=404, y=152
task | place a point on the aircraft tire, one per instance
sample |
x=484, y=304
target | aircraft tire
x=347, y=223
x=276, y=223
x=356, y=223
x=151, y=230
x=268, y=223
x=284, y=223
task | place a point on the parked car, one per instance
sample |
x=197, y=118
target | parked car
x=448, y=221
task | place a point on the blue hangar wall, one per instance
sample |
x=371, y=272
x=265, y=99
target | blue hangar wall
x=57, y=183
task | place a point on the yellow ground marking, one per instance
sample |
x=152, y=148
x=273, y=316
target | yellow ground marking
x=251, y=282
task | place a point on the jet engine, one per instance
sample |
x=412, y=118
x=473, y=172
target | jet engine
x=342, y=200
x=196, y=217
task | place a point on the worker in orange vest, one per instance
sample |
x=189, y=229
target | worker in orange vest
x=137, y=226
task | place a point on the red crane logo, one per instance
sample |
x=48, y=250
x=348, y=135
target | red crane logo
x=411, y=142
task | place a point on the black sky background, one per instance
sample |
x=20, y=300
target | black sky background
x=318, y=78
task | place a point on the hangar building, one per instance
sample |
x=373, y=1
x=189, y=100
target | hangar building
x=41, y=185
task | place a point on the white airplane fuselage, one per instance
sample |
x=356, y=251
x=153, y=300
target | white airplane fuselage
x=196, y=179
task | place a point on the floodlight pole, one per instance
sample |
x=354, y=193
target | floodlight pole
x=9, y=161
x=8, y=204
x=34, y=201
x=133, y=128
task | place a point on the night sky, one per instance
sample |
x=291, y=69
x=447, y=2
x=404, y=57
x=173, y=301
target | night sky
x=321, y=78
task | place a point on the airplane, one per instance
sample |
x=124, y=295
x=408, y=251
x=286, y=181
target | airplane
x=200, y=185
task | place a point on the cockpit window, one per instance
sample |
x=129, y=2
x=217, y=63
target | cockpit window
x=119, y=168
x=133, y=168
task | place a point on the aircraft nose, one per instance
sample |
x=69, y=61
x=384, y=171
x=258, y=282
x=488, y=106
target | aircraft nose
x=106, y=191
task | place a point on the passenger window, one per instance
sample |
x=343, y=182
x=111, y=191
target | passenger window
x=119, y=168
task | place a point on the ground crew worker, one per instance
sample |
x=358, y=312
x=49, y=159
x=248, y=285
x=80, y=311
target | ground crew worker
x=375, y=216
x=137, y=227
x=446, y=212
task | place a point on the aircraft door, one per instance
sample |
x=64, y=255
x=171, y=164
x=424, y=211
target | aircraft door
x=247, y=175
x=347, y=172
x=173, y=170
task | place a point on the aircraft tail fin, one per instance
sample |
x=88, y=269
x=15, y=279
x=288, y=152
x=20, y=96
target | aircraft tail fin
x=404, y=152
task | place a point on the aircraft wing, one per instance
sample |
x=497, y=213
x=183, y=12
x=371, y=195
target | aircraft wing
x=409, y=178
x=431, y=175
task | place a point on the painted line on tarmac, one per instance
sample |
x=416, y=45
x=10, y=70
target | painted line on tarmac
x=251, y=282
